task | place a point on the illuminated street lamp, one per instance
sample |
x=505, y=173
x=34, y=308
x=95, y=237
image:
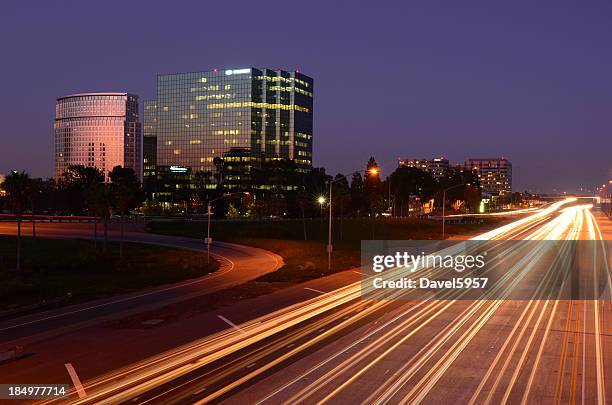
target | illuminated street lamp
x=373, y=171
x=208, y=239
x=321, y=201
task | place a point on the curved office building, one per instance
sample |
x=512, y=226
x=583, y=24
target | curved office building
x=99, y=130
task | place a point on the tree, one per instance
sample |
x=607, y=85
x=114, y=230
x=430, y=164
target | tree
x=373, y=191
x=407, y=182
x=358, y=201
x=46, y=197
x=373, y=187
x=472, y=197
x=232, y=212
x=75, y=185
x=18, y=187
x=472, y=193
x=36, y=187
x=127, y=194
x=100, y=201
x=315, y=185
x=461, y=185
x=303, y=200
x=342, y=197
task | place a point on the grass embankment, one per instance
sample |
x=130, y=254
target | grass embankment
x=74, y=270
x=307, y=259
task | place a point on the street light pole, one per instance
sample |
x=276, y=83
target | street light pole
x=208, y=240
x=443, y=217
x=391, y=206
x=330, y=248
x=329, y=230
x=610, y=199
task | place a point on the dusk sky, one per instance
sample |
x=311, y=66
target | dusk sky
x=527, y=80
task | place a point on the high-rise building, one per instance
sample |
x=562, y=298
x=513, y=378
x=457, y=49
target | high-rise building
x=149, y=140
x=495, y=175
x=99, y=130
x=437, y=167
x=199, y=116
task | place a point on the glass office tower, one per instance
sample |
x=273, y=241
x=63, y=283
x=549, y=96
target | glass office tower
x=149, y=140
x=99, y=130
x=202, y=115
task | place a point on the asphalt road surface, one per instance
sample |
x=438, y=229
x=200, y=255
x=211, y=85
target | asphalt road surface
x=339, y=348
x=238, y=265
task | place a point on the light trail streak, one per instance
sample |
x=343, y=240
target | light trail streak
x=601, y=392
x=141, y=377
x=419, y=391
x=326, y=378
x=573, y=235
x=531, y=307
x=313, y=387
x=498, y=214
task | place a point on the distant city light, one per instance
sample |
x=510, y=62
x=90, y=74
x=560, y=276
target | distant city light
x=321, y=200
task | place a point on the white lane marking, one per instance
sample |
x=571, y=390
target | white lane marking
x=358, y=272
x=315, y=290
x=75, y=380
x=230, y=323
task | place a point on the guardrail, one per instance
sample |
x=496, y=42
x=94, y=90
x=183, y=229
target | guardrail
x=48, y=218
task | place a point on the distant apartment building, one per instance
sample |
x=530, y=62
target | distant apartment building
x=437, y=167
x=199, y=116
x=100, y=130
x=495, y=175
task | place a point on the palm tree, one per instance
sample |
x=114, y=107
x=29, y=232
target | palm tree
x=18, y=187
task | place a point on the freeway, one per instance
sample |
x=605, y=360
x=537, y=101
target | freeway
x=339, y=348
x=238, y=265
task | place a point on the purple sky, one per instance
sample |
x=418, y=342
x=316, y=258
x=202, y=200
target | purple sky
x=528, y=80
